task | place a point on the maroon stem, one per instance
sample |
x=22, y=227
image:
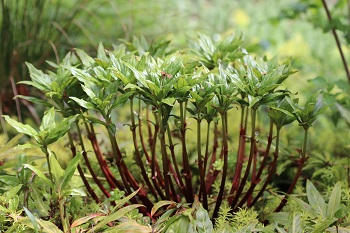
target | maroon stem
x=81, y=173
x=185, y=160
x=292, y=185
x=271, y=172
x=176, y=173
x=240, y=156
x=101, y=161
x=250, y=161
x=212, y=173
x=137, y=152
x=256, y=178
x=156, y=173
x=345, y=64
x=224, y=169
x=88, y=164
x=301, y=162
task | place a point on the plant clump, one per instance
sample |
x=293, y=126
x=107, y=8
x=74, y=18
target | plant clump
x=192, y=117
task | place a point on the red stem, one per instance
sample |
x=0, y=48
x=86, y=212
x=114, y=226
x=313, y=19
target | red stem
x=345, y=64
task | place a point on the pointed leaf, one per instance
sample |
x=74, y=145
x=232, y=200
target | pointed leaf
x=60, y=130
x=315, y=199
x=129, y=226
x=40, y=174
x=48, y=120
x=83, y=220
x=73, y=192
x=303, y=206
x=125, y=200
x=161, y=204
x=320, y=226
x=295, y=226
x=56, y=170
x=71, y=168
x=32, y=219
x=35, y=100
x=83, y=103
x=21, y=128
x=48, y=227
x=114, y=216
x=169, y=101
x=334, y=201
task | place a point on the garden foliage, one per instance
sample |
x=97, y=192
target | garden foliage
x=193, y=120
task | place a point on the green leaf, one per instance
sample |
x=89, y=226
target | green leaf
x=83, y=103
x=39, y=80
x=315, y=199
x=177, y=224
x=56, y=170
x=35, y=100
x=279, y=218
x=334, y=201
x=73, y=192
x=161, y=204
x=36, y=194
x=40, y=174
x=21, y=128
x=32, y=219
x=85, y=59
x=345, y=113
x=303, y=206
x=48, y=120
x=124, y=200
x=295, y=225
x=71, y=168
x=48, y=227
x=101, y=53
x=322, y=225
x=114, y=216
x=60, y=130
x=83, y=220
x=203, y=222
x=10, y=180
x=13, y=191
x=130, y=226
x=93, y=119
x=169, y=101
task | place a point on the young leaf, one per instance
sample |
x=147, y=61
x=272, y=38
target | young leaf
x=315, y=199
x=295, y=225
x=73, y=192
x=40, y=174
x=59, y=130
x=322, y=225
x=161, y=204
x=22, y=128
x=48, y=227
x=203, y=222
x=13, y=191
x=124, y=200
x=56, y=170
x=334, y=201
x=303, y=206
x=32, y=219
x=83, y=220
x=69, y=172
x=114, y=216
x=130, y=226
x=83, y=103
x=48, y=120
